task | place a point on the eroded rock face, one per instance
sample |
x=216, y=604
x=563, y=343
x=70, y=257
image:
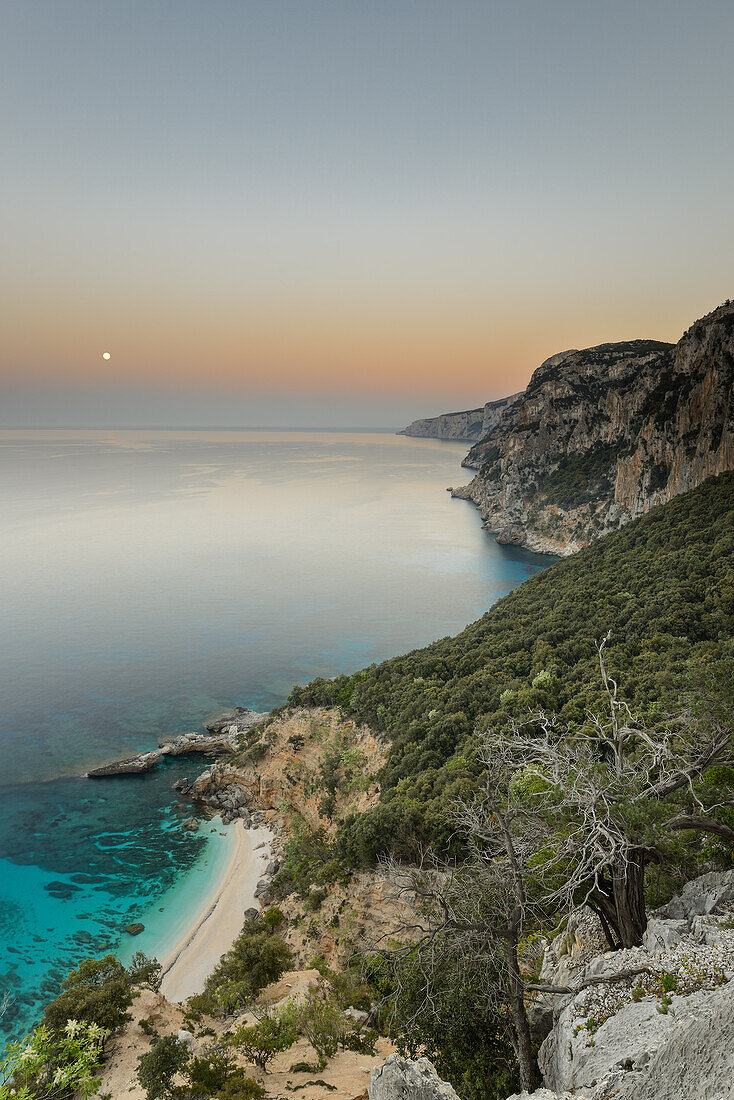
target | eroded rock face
x=408, y=1079
x=703, y=895
x=696, y=1062
x=235, y=721
x=602, y=435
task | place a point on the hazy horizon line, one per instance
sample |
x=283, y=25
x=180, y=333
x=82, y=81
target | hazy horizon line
x=375, y=429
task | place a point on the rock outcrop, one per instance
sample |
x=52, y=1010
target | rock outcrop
x=463, y=426
x=222, y=739
x=600, y=436
x=667, y=1032
x=270, y=778
x=130, y=765
x=408, y=1079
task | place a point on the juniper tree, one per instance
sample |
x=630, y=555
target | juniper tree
x=607, y=801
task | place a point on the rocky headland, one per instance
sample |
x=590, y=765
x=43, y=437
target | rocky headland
x=472, y=424
x=222, y=737
x=602, y=435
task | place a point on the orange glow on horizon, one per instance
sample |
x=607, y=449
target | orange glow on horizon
x=287, y=346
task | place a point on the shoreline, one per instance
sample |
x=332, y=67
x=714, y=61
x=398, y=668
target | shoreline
x=215, y=926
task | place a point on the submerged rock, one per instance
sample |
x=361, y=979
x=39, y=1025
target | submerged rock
x=135, y=929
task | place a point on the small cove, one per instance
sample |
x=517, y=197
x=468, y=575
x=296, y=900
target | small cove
x=152, y=578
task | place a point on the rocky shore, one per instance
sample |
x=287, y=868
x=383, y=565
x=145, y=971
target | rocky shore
x=220, y=792
x=222, y=738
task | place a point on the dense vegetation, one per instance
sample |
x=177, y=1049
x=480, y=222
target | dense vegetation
x=579, y=478
x=663, y=586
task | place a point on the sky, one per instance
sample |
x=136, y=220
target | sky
x=348, y=212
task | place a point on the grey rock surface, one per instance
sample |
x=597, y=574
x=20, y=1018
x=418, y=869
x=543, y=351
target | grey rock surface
x=703, y=895
x=131, y=765
x=408, y=1079
x=628, y=1038
x=663, y=934
x=235, y=721
x=697, y=1060
x=540, y=1094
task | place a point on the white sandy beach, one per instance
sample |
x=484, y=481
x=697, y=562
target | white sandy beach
x=218, y=922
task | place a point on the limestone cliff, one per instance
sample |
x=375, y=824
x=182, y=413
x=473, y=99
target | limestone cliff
x=602, y=435
x=465, y=426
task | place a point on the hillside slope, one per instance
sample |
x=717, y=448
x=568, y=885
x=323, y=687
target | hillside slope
x=664, y=586
x=600, y=436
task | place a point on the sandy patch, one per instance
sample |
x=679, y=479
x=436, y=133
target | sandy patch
x=217, y=924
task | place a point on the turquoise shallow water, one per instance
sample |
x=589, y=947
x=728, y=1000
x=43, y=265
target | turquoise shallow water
x=152, y=578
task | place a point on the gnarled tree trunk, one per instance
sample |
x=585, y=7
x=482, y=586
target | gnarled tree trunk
x=620, y=899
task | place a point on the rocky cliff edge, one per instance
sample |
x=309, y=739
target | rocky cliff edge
x=600, y=436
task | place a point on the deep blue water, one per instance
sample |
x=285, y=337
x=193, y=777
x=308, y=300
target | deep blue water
x=149, y=579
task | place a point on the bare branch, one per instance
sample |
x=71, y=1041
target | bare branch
x=6, y=1000
x=604, y=979
x=703, y=824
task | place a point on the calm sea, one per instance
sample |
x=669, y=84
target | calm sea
x=150, y=578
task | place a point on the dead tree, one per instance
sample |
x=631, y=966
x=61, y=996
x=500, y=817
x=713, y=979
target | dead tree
x=473, y=917
x=563, y=818
x=606, y=800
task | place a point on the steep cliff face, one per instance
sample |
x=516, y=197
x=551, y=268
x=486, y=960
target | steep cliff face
x=464, y=426
x=601, y=435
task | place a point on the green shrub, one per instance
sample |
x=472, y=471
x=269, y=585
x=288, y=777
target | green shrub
x=160, y=1065
x=256, y=958
x=272, y=918
x=215, y=1074
x=144, y=971
x=669, y=982
x=99, y=991
x=277, y=1030
x=70, y=1059
x=325, y=1026
x=467, y=1042
x=315, y=900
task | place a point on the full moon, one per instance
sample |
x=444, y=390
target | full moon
x=105, y=355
